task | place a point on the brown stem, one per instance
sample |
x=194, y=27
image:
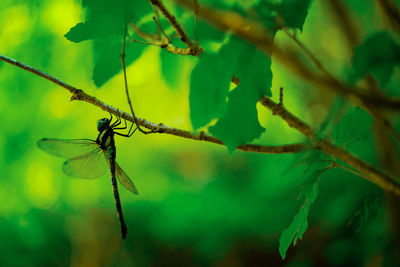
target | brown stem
x=196, y=50
x=390, y=12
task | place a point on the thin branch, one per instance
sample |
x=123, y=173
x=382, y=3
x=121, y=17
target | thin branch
x=335, y=164
x=163, y=42
x=160, y=29
x=309, y=54
x=168, y=46
x=194, y=48
x=345, y=21
x=172, y=20
x=369, y=172
x=78, y=94
x=196, y=10
x=391, y=12
x=126, y=81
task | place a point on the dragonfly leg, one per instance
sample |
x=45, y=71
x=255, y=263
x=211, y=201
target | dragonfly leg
x=111, y=117
x=121, y=128
x=129, y=132
x=116, y=123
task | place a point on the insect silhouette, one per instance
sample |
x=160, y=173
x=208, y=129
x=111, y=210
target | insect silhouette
x=90, y=159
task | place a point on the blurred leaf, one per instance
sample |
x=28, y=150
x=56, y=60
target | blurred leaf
x=108, y=55
x=204, y=32
x=292, y=12
x=377, y=55
x=209, y=84
x=334, y=110
x=365, y=213
x=239, y=124
x=299, y=224
x=314, y=159
x=353, y=127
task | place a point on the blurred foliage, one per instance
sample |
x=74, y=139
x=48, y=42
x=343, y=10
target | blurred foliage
x=378, y=55
x=198, y=205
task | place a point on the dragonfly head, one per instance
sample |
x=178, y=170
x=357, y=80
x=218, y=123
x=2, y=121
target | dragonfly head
x=102, y=124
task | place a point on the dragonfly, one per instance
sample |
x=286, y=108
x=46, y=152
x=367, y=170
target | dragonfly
x=90, y=159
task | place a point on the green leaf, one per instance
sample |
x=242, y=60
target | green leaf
x=293, y=12
x=105, y=24
x=171, y=65
x=80, y=32
x=254, y=72
x=108, y=55
x=299, y=224
x=209, y=84
x=377, y=55
x=354, y=126
x=240, y=125
x=106, y=18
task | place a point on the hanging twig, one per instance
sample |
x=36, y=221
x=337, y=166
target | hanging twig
x=126, y=81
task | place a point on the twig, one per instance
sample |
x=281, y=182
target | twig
x=345, y=21
x=78, y=94
x=368, y=172
x=172, y=20
x=391, y=11
x=126, y=81
x=194, y=48
x=309, y=54
x=168, y=46
x=160, y=29
x=196, y=10
x=335, y=164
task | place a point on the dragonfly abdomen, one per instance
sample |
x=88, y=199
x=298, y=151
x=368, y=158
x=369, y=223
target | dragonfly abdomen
x=124, y=228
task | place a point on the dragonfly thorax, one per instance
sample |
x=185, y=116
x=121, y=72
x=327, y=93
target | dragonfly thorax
x=103, y=124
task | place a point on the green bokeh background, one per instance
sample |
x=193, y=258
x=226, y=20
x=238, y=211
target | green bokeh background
x=197, y=205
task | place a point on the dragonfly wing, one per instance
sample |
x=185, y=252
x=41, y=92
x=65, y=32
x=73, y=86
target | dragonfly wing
x=67, y=148
x=88, y=166
x=125, y=180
